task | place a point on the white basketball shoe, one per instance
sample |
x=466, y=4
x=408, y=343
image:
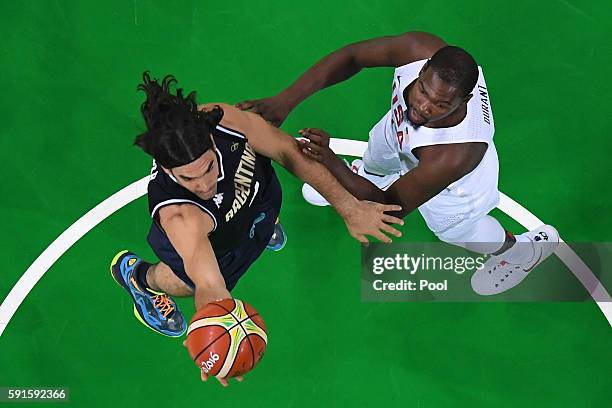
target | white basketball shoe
x=313, y=197
x=497, y=275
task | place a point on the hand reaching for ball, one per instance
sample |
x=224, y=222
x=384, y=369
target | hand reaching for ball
x=226, y=338
x=223, y=381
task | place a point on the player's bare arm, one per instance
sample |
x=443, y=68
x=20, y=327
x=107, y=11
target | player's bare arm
x=187, y=228
x=439, y=166
x=342, y=64
x=360, y=217
x=315, y=145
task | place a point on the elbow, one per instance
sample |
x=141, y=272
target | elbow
x=349, y=54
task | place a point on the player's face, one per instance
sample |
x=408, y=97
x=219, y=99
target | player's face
x=431, y=99
x=200, y=176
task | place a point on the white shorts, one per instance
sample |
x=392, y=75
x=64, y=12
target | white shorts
x=452, y=210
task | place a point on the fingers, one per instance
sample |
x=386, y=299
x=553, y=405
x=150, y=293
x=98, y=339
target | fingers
x=381, y=237
x=389, y=229
x=361, y=238
x=389, y=219
x=245, y=105
x=311, y=146
x=309, y=152
x=317, y=136
x=222, y=381
x=377, y=233
x=384, y=207
x=311, y=155
x=253, y=106
x=315, y=131
x=390, y=207
x=311, y=136
x=314, y=138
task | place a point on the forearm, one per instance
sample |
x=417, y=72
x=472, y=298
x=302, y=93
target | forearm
x=204, y=271
x=408, y=200
x=358, y=186
x=388, y=51
x=319, y=177
x=188, y=228
x=335, y=67
x=414, y=189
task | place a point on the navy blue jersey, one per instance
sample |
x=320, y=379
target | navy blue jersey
x=242, y=190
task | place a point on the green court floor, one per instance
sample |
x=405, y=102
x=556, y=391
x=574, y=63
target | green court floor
x=69, y=111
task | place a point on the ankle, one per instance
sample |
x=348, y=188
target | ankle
x=142, y=275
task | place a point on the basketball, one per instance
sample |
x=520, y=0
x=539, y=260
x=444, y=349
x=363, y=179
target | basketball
x=226, y=338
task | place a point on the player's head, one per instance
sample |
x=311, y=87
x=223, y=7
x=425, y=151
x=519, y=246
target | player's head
x=444, y=84
x=179, y=136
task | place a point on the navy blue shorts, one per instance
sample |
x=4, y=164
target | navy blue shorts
x=234, y=263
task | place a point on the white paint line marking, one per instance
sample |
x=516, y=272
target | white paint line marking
x=341, y=146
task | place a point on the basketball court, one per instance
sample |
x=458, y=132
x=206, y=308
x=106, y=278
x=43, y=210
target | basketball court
x=70, y=112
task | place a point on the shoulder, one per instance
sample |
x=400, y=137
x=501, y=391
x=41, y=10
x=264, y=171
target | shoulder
x=187, y=216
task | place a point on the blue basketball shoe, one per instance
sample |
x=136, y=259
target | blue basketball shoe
x=279, y=238
x=156, y=310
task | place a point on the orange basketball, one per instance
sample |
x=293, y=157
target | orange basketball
x=226, y=338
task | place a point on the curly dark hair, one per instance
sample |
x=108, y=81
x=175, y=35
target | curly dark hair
x=177, y=133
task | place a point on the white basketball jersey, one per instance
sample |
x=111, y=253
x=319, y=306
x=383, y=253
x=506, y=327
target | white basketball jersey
x=477, y=126
x=393, y=139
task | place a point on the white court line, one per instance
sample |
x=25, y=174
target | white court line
x=341, y=146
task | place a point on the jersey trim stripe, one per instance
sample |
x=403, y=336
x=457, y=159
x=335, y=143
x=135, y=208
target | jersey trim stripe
x=221, y=171
x=231, y=131
x=181, y=200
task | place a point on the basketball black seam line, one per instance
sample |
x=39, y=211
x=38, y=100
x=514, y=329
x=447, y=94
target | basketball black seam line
x=252, y=352
x=218, y=337
x=237, y=319
x=247, y=337
x=226, y=331
x=238, y=322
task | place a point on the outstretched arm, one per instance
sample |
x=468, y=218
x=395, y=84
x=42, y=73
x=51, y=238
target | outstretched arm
x=439, y=166
x=315, y=145
x=342, y=64
x=360, y=217
x=188, y=227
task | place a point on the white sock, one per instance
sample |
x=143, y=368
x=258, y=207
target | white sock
x=521, y=252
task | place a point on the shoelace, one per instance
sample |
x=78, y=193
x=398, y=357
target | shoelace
x=163, y=304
